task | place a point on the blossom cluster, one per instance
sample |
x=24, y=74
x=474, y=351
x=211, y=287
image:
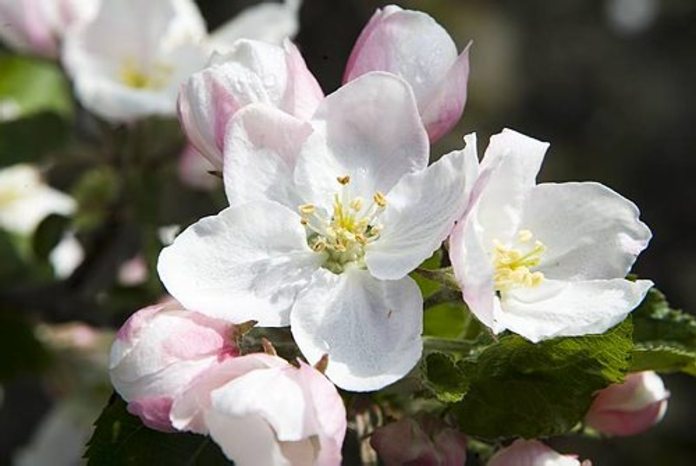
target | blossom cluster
x=332, y=206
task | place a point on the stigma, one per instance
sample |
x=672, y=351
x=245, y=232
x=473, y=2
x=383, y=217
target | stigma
x=351, y=227
x=513, y=264
x=135, y=77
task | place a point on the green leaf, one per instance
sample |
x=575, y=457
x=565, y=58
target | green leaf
x=446, y=320
x=664, y=338
x=30, y=85
x=517, y=388
x=23, y=351
x=28, y=139
x=12, y=266
x=444, y=377
x=120, y=438
x=48, y=234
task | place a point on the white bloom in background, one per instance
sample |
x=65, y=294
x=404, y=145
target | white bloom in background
x=263, y=411
x=25, y=200
x=133, y=272
x=545, y=260
x=129, y=60
x=66, y=256
x=251, y=72
x=38, y=26
x=326, y=220
x=267, y=22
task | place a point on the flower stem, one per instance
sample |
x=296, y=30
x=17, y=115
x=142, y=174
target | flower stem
x=445, y=277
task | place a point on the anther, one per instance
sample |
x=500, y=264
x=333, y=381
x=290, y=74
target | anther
x=380, y=199
x=307, y=209
x=344, y=180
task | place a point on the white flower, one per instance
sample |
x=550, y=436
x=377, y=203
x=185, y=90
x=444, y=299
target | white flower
x=66, y=256
x=25, y=200
x=327, y=218
x=545, y=260
x=128, y=61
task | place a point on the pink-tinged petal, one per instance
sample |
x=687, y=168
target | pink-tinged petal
x=532, y=453
x=133, y=272
x=407, y=43
x=195, y=170
x=154, y=412
x=370, y=130
x=421, y=212
x=159, y=351
x=304, y=93
x=369, y=328
x=558, y=308
x=188, y=411
x=590, y=232
x=631, y=407
x=444, y=107
x=26, y=26
x=246, y=263
x=415, y=47
x=262, y=147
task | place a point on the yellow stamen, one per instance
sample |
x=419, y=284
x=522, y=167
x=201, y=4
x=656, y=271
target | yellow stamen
x=307, y=209
x=513, y=266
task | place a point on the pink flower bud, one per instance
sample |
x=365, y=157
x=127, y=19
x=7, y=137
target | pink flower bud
x=533, y=453
x=423, y=442
x=253, y=72
x=631, y=407
x=133, y=272
x=412, y=45
x=159, y=351
x=262, y=410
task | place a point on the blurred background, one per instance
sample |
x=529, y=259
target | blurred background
x=608, y=82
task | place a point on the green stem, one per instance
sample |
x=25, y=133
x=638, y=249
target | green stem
x=445, y=277
x=447, y=345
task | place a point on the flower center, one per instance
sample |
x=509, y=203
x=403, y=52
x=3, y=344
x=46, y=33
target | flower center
x=513, y=264
x=351, y=227
x=135, y=77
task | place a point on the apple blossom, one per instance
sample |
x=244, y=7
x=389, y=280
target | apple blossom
x=130, y=58
x=533, y=453
x=414, y=46
x=38, y=26
x=158, y=351
x=66, y=256
x=326, y=220
x=133, y=272
x=631, y=407
x=251, y=72
x=425, y=442
x=545, y=260
x=263, y=411
x=25, y=200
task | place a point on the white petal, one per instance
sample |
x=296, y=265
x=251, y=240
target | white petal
x=66, y=256
x=370, y=130
x=420, y=214
x=248, y=441
x=247, y=262
x=514, y=161
x=267, y=22
x=590, y=232
x=473, y=269
x=369, y=328
x=261, y=147
x=190, y=406
x=557, y=308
